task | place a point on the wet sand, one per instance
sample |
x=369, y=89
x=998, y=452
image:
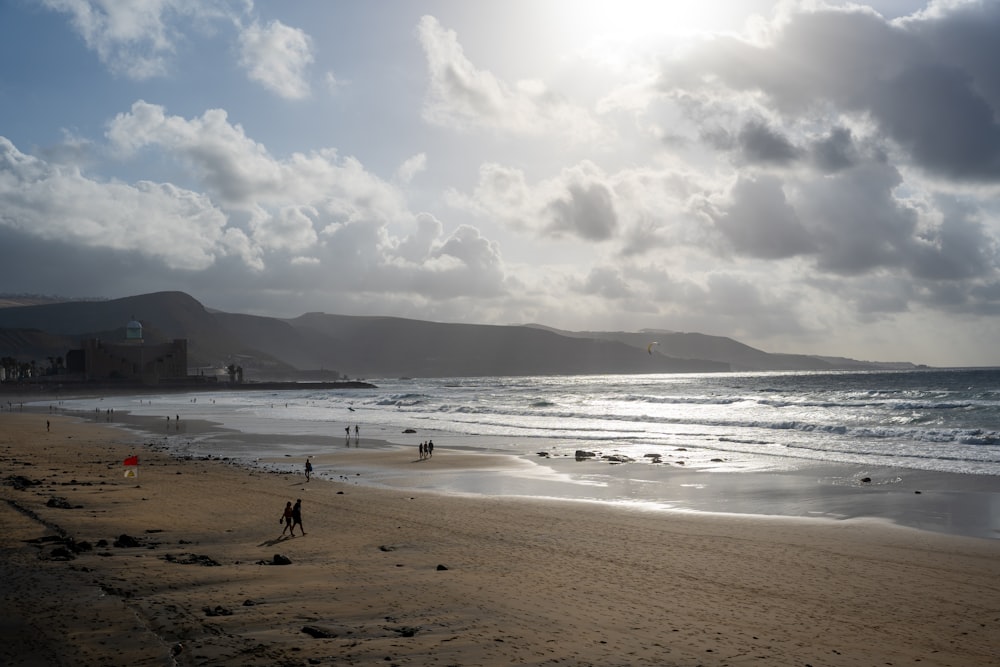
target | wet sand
x=395, y=576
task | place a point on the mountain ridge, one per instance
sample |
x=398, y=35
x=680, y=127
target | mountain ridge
x=384, y=346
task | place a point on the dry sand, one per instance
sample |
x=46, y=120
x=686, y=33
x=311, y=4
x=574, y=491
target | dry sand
x=401, y=578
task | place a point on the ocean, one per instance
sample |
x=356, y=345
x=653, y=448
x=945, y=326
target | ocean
x=642, y=429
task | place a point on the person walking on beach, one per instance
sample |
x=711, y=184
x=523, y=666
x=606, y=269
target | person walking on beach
x=309, y=469
x=421, y=450
x=297, y=517
x=286, y=516
x=430, y=448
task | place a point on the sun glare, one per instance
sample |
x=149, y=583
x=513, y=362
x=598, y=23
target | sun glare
x=639, y=19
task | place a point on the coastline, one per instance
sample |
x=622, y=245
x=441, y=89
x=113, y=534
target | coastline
x=520, y=581
x=953, y=503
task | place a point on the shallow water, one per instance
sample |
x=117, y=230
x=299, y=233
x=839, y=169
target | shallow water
x=944, y=421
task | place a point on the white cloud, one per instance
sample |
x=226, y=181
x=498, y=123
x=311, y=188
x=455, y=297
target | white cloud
x=836, y=171
x=411, y=167
x=319, y=206
x=927, y=82
x=179, y=227
x=278, y=57
x=461, y=95
x=334, y=84
x=242, y=174
x=290, y=228
x=134, y=39
x=584, y=202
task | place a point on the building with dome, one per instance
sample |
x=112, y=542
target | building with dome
x=133, y=359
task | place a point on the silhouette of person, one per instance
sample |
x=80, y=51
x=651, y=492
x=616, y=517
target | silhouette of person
x=286, y=516
x=430, y=448
x=297, y=517
x=309, y=469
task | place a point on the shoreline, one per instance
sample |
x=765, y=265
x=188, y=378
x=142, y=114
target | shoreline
x=403, y=577
x=950, y=503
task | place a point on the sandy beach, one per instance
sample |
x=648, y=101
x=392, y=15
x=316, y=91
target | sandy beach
x=177, y=567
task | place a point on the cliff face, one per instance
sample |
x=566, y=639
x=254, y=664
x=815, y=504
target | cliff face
x=378, y=346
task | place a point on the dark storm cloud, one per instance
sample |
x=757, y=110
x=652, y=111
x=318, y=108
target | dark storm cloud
x=966, y=38
x=760, y=144
x=835, y=151
x=856, y=222
x=587, y=211
x=851, y=223
x=957, y=249
x=761, y=223
x=935, y=113
x=924, y=82
x=57, y=267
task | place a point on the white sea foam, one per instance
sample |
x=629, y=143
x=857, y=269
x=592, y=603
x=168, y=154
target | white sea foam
x=945, y=421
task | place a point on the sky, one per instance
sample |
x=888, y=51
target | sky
x=808, y=177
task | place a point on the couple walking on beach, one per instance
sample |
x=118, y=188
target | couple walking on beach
x=292, y=516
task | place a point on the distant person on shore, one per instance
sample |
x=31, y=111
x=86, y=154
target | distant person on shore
x=357, y=433
x=430, y=448
x=297, y=517
x=421, y=450
x=286, y=516
x=309, y=469
x=347, y=430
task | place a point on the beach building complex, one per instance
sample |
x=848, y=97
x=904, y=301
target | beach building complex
x=131, y=359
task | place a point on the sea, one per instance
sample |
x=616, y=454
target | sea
x=639, y=429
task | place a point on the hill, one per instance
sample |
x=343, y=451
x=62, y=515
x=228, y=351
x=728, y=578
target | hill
x=361, y=346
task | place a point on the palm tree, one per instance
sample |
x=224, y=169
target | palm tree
x=9, y=365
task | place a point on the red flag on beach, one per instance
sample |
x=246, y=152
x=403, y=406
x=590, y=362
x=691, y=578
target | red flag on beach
x=132, y=466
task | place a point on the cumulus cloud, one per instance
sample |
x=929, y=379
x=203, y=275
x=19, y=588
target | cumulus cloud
x=290, y=228
x=608, y=283
x=856, y=221
x=134, y=39
x=461, y=95
x=760, y=222
x=139, y=40
x=477, y=267
x=641, y=210
x=578, y=203
x=924, y=87
x=181, y=228
x=586, y=210
x=305, y=217
x=835, y=151
x=832, y=157
x=242, y=173
x=760, y=144
x=958, y=248
x=278, y=57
